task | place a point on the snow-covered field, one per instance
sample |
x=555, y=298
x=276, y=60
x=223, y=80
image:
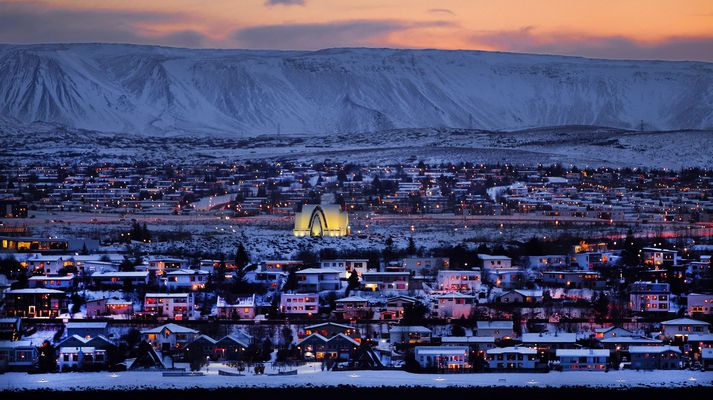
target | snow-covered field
x=311, y=375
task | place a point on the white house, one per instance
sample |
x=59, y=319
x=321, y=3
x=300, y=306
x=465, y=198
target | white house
x=418, y=265
x=85, y=357
x=700, y=304
x=495, y=262
x=583, y=359
x=509, y=358
x=176, y=306
x=121, y=278
x=442, y=357
x=497, y=329
x=186, y=279
x=682, y=327
x=409, y=334
x=386, y=281
x=170, y=336
x=160, y=264
x=454, y=305
x=649, y=297
x=318, y=279
x=346, y=266
x=241, y=308
x=52, y=282
x=458, y=281
x=299, y=304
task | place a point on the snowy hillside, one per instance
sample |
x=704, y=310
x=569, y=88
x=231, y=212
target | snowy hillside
x=157, y=91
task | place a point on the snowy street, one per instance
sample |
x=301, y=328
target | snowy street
x=312, y=375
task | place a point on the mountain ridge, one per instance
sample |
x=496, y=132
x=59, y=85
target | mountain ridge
x=154, y=90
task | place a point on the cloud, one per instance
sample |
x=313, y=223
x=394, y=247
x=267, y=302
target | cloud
x=528, y=40
x=285, y=2
x=323, y=35
x=28, y=23
x=441, y=11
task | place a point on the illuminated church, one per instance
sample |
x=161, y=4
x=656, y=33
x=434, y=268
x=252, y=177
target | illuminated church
x=321, y=220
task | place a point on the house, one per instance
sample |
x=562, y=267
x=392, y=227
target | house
x=346, y=266
x=573, y=279
x=85, y=329
x=682, y=327
x=272, y=280
x=409, y=334
x=121, y=278
x=17, y=355
x=299, y=304
x=547, y=262
x=489, y=262
x=547, y=343
x=10, y=328
x=229, y=348
x=386, y=281
x=148, y=359
x=329, y=329
x=395, y=306
x=583, y=359
x=655, y=357
x=656, y=257
x=700, y=304
x=318, y=279
x=458, y=281
x=169, y=337
x=78, y=353
x=477, y=344
x=700, y=341
x=498, y=329
x=241, y=308
x=178, y=306
x=649, y=297
x=338, y=347
x=419, y=265
x=63, y=282
x=623, y=343
x=161, y=265
x=109, y=307
x=185, y=279
x=353, y=307
x=511, y=358
x=707, y=358
x=506, y=278
x=442, y=357
x=454, y=305
x=611, y=332
x=280, y=265
x=35, y=303
x=521, y=296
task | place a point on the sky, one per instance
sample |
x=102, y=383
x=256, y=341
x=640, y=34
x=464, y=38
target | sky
x=635, y=29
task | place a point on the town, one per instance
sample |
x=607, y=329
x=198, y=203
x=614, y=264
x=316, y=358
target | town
x=262, y=267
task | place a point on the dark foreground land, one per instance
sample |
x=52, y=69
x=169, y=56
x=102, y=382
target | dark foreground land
x=346, y=392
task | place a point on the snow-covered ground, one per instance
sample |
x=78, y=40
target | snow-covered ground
x=311, y=375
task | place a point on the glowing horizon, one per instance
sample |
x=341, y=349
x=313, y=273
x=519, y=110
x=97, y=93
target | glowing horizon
x=637, y=29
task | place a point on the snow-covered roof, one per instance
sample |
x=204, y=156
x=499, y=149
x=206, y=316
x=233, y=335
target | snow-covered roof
x=653, y=349
x=494, y=324
x=582, y=352
x=707, y=353
x=13, y=344
x=515, y=349
x=417, y=329
x=455, y=295
x=316, y=326
x=700, y=337
x=684, y=321
x=86, y=325
x=168, y=295
x=49, y=277
x=468, y=339
x=450, y=350
x=34, y=291
x=248, y=301
x=352, y=299
x=187, y=272
x=121, y=274
x=491, y=257
x=171, y=327
x=307, y=271
x=561, y=337
x=628, y=339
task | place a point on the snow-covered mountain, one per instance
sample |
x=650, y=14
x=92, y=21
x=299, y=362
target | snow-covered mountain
x=156, y=90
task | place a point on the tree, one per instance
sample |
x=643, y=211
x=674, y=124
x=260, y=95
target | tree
x=242, y=258
x=414, y=314
x=196, y=358
x=47, y=360
x=411, y=249
x=352, y=282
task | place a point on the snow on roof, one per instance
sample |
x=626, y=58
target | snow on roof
x=312, y=327
x=187, y=272
x=491, y=257
x=35, y=291
x=49, y=277
x=582, y=352
x=319, y=271
x=515, y=349
x=468, y=339
x=352, y=298
x=560, y=337
x=529, y=292
x=700, y=337
x=707, y=353
x=494, y=324
x=451, y=350
x=121, y=274
x=117, y=302
x=13, y=344
x=248, y=301
x=653, y=349
x=455, y=295
x=629, y=339
x=418, y=329
x=206, y=337
x=171, y=327
x=684, y=321
x=84, y=349
x=86, y=325
x=168, y=295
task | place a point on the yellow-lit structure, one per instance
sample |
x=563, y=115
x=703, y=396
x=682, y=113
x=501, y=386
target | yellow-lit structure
x=321, y=220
